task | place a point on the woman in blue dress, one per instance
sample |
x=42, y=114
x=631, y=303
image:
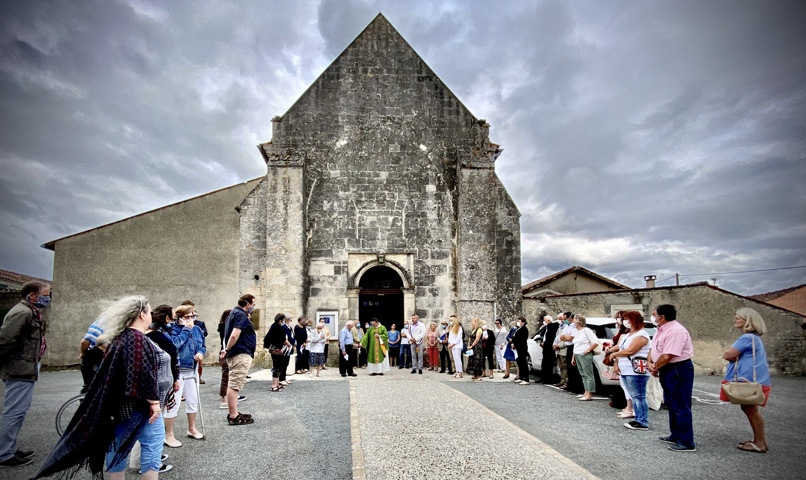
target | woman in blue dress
x=509, y=354
x=752, y=366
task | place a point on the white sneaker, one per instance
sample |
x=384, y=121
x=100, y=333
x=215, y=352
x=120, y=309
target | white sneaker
x=223, y=406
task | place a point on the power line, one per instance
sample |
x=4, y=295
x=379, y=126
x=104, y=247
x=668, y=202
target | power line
x=743, y=271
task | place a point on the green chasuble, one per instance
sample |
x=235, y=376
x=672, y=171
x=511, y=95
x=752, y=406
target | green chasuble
x=373, y=345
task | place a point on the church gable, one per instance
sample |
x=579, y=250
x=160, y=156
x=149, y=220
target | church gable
x=378, y=74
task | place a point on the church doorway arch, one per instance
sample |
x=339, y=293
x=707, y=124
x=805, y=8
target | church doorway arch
x=381, y=296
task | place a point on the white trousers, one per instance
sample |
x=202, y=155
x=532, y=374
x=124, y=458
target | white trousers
x=499, y=356
x=457, y=358
x=187, y=387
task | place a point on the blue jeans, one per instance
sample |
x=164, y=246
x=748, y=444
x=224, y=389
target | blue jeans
x=677, y=380
x=636, y=386
x=151, y=438
x=19, y=395
x=405, y=355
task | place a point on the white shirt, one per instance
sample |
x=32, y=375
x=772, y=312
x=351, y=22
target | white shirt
x=456, y=339
x=404, y=339
x=416, y=333
x=583, y=339
x=317, y=341
x=566, y=330
x=500, y=336
x=624, y=363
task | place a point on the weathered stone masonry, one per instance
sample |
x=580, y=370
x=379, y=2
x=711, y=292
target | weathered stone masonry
x=379, y=157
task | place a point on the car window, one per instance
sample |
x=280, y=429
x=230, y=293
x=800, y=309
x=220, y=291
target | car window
x=600, y=331
x=611, y=331
x=651, y=329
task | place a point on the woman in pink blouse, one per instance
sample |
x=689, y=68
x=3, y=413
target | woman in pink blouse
x=431, y=343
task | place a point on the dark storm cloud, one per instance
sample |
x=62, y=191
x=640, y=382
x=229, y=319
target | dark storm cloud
x=658, y=137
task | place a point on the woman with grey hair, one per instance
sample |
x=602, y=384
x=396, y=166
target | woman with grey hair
x=748, y=360
x=123, y=403
x=585, y=342
x=318, y=341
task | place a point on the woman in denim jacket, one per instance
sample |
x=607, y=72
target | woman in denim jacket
x=189, y=342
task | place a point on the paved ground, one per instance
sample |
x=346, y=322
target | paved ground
x=332, y=428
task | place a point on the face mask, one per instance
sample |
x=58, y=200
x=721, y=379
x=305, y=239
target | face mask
x=519, y=324
x=566, y=322
x=249, y=308
x=484, y=327
x=43, y=301
x=627, y=323
x=654, y=319
x=619, y=322
x=366, y=325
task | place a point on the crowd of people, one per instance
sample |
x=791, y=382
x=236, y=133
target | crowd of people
x=139, y=364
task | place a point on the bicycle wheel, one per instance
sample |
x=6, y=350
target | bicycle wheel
x=66, y=413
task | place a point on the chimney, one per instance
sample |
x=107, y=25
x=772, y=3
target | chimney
x=650, y=281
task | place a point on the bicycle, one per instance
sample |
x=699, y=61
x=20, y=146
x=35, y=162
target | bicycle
x=66, y=413
x=68, y=408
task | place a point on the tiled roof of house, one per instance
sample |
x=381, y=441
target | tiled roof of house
x=545, y=280
x=13, y=277
x=793, y=298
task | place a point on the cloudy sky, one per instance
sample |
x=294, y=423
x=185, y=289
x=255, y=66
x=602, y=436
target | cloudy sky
x=640, y=137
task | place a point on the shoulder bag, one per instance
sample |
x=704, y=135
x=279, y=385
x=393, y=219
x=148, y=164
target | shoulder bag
x=589, y=333
x=744, y=392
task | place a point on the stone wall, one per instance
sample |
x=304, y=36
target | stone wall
x=707, y=312
x=383, y=145
x=188, y=250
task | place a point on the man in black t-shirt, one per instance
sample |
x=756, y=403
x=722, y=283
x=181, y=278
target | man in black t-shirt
x=239, y=351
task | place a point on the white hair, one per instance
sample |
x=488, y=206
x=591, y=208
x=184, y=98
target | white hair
x=120, y=314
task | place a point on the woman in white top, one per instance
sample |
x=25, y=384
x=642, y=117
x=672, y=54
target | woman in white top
x=317, y=339
x=585, y=342
x=456, y=344
x=631, y=363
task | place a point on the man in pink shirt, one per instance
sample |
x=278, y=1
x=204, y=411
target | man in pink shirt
x=670, y=358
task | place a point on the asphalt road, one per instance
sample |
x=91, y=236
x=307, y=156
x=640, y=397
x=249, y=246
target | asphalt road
x=304, y=432
x=590, y=434
x=301, y=433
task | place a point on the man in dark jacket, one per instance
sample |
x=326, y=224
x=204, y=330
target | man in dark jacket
x=21, y=348
x=549, y=355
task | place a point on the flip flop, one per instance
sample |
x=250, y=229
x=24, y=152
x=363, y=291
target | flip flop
x=753, y=448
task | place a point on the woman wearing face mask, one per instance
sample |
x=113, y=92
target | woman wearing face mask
x=634, y=346
x=585, y=342
x=431, y=342
x=627, y=412
x=519, y=344
x=488, y=348
x=317, y=339
x=456, y=344
x=394, y=345
x=509, y=354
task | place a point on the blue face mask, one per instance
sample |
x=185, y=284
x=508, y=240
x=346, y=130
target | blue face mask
x=43, y=301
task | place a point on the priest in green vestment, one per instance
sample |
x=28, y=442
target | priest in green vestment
x=376, y=343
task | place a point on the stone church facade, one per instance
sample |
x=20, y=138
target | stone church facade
x=380, y=199
x=381, y=184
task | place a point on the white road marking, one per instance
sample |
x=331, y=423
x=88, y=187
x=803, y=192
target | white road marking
x=710, y=394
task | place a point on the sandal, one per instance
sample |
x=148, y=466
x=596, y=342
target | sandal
x=240, y=419
x=753, y=448
x=275, y=389
x=298, y=372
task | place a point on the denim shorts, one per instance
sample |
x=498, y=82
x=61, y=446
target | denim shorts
x=151, y=437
